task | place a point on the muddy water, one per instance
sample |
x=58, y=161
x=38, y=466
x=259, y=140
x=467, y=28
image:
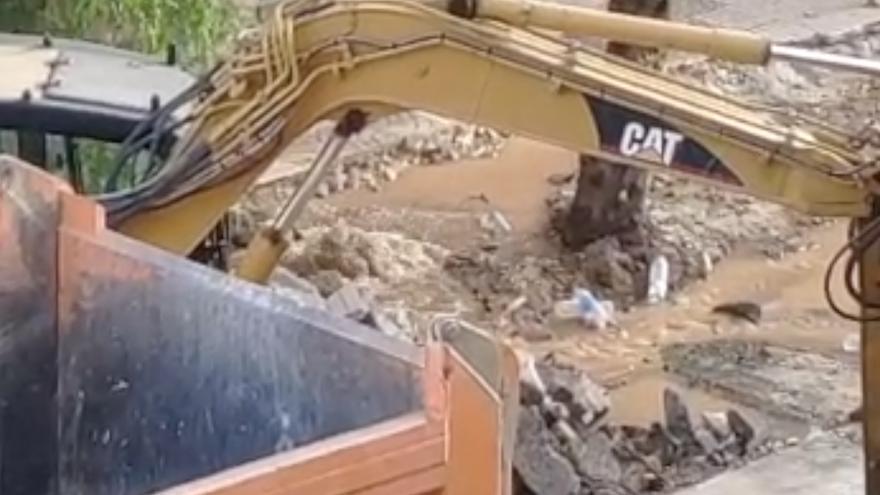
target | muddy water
x=790, y=291
x=640, y=401
x=795, y=313
x=515, y=183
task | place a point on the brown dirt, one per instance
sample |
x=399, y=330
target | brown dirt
x=515, y=183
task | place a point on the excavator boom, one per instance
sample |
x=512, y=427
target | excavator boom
x=315, y=61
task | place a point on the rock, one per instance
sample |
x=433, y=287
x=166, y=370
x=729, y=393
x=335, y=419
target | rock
x=328, y=281
x=560, y=414
x=681, y=300
x=706, y=441
x=533, y=333
x=242, y=226
x=389, y=174
x=356, y=254
x=296, y=287
x=531, y=385
x=353, y=181
x=744, y=310
x=337, y=182
x=587, y=401
x=370, y=182
x=717, y=423
x=851, y=343
x=323, y=190
x=537, y=460
x=351, y=301
x=594, y=458
x=400, y=318
x=743, y=430
x=648, y=443
x=381, y=322
x=677, y=417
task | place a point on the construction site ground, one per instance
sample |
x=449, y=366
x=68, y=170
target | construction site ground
x=443, y=219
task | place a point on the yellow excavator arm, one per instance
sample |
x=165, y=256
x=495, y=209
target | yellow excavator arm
x=317, y=61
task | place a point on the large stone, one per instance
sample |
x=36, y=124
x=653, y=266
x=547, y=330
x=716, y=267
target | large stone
x=532, y=388
x=328, y=281
x=718, y=424
x=594, y=458
x=537, y=460
x=586, y=400
x=294, y=287
x=677, y=417
x=745, y=433
x=706, y=440
x=351, y=301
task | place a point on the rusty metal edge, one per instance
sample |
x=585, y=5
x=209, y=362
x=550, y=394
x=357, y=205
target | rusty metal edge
x=386, y=453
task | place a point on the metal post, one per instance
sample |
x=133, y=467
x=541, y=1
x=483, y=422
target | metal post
x=870, y=338
x=832, y=61
x=266, y=248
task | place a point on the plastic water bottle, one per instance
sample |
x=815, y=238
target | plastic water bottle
x=658, y=280
x=586, y=307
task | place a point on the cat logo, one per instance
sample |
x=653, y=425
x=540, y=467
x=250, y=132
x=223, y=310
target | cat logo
x=651, y=143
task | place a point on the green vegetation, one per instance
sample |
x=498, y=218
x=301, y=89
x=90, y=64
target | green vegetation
x=198, y=28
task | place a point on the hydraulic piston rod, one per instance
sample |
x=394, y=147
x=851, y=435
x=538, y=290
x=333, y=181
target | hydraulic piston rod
x=725, y=44
x=828, y=60
x=268, y=245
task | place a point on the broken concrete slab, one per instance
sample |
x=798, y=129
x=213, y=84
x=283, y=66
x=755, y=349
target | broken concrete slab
x=717, y=423
x=537, y=460
x=294, y=287
x=594, y=458
x=783, y=382
x=351, y=301
x=677, y=417
x=824, y=464
x=586, y=400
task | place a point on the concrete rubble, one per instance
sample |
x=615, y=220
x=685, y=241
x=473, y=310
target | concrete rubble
x=379, y=157
x=355, y=253
x=566, y=446
x=787, y=383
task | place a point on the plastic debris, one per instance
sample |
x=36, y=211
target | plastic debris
x=658, y=280
x=706, y=264
x=496, y=222
x=583, y=305
x=852, y=343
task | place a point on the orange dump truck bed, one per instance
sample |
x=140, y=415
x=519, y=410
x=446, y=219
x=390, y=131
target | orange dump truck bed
x=125, y=370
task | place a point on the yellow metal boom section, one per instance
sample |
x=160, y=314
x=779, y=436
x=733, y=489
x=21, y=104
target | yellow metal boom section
x=315, y=61
x=728, y=44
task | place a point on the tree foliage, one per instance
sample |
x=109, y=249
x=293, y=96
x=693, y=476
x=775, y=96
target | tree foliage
x=197, y=27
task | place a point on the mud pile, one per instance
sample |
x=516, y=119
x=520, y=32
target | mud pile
x=565, y=447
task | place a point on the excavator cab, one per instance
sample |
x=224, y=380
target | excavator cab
x=92, y=102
